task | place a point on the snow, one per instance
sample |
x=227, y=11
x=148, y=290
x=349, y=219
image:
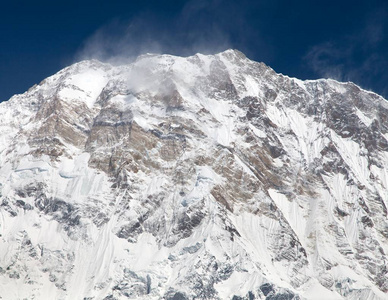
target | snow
x=259, y=133
x=317, y=292
x=85, y=86
x=28, y=163
x=290, y=210
x=295, y=200
x=350, y=152
x=364, y=119
x=253, y=87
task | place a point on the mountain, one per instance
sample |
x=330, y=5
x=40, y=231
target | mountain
x=201, y=177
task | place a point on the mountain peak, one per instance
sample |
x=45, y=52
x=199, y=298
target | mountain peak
x=208, y=176
x=233, y=52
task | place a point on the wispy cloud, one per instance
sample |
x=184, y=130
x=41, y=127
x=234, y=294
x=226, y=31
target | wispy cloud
x=327, y=60
x=357, y=57
x=122, y=40
x=201, y=26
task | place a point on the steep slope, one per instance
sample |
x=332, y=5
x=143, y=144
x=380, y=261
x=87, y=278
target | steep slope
x=206, y=177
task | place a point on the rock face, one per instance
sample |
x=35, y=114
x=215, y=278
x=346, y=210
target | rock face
x=206, y=177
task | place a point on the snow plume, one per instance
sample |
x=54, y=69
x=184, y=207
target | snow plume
x=124, y=40
x=327, y=60
x=201, y=26
x=355, y=57
x=120, y=41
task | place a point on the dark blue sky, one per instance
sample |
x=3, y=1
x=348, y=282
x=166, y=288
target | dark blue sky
x=345, y=40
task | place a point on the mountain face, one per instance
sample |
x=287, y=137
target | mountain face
x=205, y=177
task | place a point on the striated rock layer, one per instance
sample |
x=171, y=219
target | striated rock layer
x=206, y=177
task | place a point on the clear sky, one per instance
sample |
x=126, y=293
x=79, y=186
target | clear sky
x=308, y=39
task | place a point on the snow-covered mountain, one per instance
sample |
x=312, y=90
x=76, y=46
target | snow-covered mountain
x=204, y=177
